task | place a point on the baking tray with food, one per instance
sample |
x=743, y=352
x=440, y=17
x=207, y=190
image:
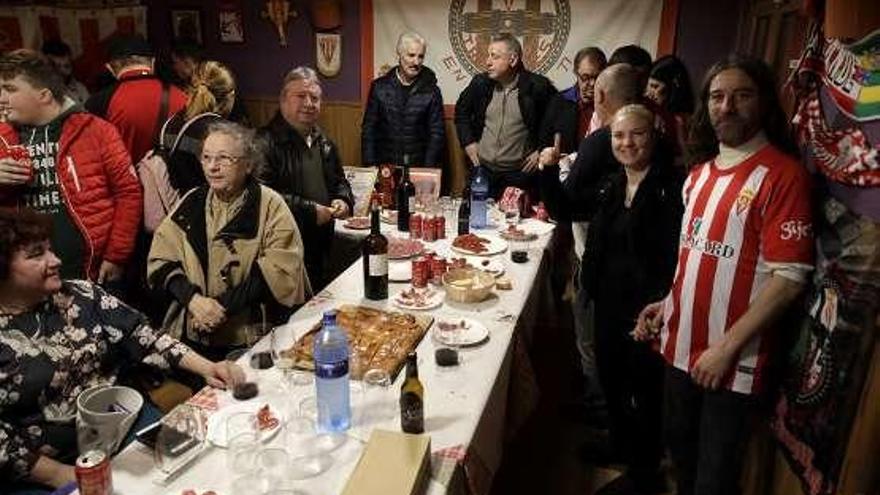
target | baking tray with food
x=377, y=339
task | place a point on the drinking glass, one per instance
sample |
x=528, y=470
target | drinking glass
x=241, y=453
x=377, y=401
x=511, y=215
x=273, y=465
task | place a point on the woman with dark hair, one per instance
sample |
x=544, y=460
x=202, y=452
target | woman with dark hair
x=629, y=260
x=669, y=86
x=230, y=254
x=57, y=339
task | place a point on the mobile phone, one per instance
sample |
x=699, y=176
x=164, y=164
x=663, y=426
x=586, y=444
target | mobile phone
x=149, y=434
x=176, y=442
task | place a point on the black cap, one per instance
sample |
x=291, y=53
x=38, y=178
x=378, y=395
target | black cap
x=127, y=45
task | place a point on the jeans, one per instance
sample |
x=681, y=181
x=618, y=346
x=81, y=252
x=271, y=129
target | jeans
x=631, y=374
x=707, y=433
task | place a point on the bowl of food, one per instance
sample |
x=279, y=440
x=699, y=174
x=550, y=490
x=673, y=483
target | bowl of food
x=468, y=285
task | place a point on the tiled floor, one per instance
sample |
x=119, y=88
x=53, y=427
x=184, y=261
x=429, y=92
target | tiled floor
x=543, y=458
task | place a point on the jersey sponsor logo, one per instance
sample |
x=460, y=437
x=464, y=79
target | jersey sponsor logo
x=795, y=230
x=693, y=240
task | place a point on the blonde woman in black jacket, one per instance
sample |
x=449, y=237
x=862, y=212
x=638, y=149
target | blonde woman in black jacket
x=630, y=260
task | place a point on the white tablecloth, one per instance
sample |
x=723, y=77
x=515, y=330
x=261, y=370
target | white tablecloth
x=465, y=407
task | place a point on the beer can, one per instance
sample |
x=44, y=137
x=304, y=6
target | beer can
x=438, y=268
x=440, y=227
x=93, y=475
x=415, y=226
x=429, y=234
x=420, y=271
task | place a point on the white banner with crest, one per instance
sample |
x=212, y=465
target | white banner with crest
x=551, y=31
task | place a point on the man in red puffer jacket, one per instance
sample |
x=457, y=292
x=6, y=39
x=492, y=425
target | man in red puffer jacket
x=81, y=172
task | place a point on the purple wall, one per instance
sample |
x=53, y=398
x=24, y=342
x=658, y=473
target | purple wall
x=706, y=34
x=260, y=63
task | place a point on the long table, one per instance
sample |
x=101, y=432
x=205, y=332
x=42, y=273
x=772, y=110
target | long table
x=469, y=410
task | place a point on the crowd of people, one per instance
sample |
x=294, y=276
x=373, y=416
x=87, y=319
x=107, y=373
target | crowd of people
x=690, y=217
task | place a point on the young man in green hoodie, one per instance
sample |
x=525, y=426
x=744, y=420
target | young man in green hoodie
x=79, y=171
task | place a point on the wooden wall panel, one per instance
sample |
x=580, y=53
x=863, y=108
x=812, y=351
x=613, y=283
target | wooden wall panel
x=342, y=123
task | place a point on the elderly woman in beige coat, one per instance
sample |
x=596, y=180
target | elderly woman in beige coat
x=230, y=253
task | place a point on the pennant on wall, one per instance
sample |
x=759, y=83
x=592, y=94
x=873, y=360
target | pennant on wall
x=329, y=53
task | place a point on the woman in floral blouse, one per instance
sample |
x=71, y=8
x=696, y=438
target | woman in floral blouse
x=58, y=338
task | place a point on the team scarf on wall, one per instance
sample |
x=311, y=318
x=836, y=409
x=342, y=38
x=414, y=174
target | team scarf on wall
x=458, y=33
x=828, y=363
x=850, y=74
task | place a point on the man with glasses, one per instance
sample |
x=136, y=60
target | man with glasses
x=570, y=112
x=303, y=165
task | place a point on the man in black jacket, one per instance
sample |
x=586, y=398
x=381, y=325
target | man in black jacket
x=303, y=165
x=498, y=117
x=403, y=121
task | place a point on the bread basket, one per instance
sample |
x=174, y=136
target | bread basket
x=468, y=285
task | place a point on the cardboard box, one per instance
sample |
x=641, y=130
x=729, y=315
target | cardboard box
x=392, y=463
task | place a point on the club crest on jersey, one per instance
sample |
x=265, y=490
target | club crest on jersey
x=744, y=200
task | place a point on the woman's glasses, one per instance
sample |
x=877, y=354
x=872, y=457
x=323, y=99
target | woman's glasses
x=222, y=160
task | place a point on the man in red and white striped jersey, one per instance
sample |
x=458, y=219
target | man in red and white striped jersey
x=745, y=252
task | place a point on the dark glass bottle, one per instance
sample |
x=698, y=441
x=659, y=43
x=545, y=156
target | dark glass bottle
x=406, y=193
x=464, y=212
x=412, y=398
x=375, y=250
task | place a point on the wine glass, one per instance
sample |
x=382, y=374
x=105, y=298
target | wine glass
x=511, y=214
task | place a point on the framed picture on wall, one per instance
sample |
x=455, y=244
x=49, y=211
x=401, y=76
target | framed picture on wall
x=230, y=21
x=187, y=24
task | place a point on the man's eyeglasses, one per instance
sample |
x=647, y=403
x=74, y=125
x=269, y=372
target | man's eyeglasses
x=222, y=160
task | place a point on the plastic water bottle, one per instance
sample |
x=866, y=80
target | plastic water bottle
x=331, y=376
x=479, y=194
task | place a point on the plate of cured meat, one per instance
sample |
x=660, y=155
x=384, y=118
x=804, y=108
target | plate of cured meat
x=479, y=245
x=357, y=223
x=399, y=249
x=421, y=299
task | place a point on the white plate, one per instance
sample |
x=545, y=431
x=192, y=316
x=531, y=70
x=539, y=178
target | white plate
x=496, y=245
x=474, y=332
x=217, y=421
x=198, y=491
x=434, y=301
x=493, y=265
x=399, y=271
x=531, y=226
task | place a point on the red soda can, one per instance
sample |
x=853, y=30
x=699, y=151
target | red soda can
x=438, y=268
x=440, y=227
x=429, y=234
x=93, y=473
x=420, y=269
x=415, y=226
